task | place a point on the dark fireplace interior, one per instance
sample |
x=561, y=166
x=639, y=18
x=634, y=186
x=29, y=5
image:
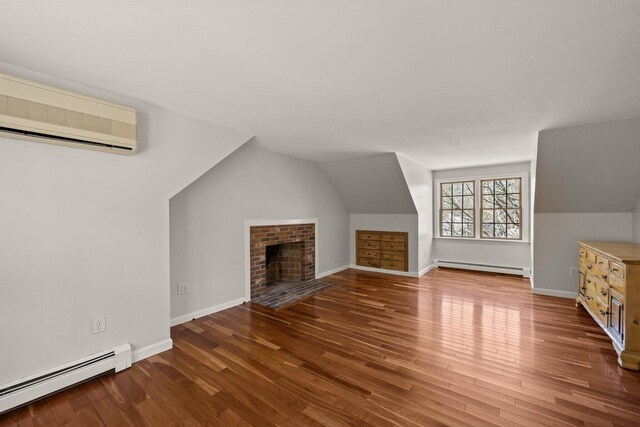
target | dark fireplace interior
x=284, y=263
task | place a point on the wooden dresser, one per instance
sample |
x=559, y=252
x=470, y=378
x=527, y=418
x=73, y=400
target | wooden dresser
x=609, y=289
x=382, y=249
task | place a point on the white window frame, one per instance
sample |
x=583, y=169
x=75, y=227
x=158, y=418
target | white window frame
x=526, y=214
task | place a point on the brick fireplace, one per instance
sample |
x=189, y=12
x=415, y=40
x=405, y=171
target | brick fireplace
x=280, y=253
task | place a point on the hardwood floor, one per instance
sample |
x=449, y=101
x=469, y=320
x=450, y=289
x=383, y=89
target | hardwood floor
x=453, y=347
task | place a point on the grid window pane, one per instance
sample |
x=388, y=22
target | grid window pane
x=457, y=201
x=467, y=202
x=488, y=201
x=501, y=211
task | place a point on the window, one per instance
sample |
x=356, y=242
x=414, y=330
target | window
x=483, y=208
x=501, y=211
x=457, y=201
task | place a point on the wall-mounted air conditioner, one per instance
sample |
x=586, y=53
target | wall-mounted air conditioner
x=37, y=112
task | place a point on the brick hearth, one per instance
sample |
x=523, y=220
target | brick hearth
x=267, y=235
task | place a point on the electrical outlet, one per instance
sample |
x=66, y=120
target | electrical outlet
x=99, y=324
x=573, y=271
x=183, y=288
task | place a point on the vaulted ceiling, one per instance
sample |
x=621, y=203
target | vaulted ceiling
x=445, y=83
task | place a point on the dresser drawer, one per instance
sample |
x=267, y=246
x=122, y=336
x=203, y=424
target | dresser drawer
x=591, y=256
x=583, y=265
x=616, y=283
x=616, y=270
x=368, y=236
x=368, y=253
x=392, y=238
x=368, y=244
x=392, y=246
x=392, y=256
x=368, y=262
x=602, y=290
x=602, y=262
x=600, y=310
x=392, y=265
x=582, y=252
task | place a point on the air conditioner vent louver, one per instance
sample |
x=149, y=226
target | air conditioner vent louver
x=37, y=112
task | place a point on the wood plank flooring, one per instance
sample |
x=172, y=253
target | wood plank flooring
x=452, y=348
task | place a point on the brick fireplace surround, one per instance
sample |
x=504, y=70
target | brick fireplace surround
x=266, y=235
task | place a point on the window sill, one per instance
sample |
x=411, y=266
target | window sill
x=478, y=240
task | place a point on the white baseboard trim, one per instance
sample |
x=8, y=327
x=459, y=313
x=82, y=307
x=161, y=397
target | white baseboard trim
x=524, y=272
x=330, y=272
x=384, y=270
x=554, y=293
x=206, y=311
x=151, y=350
x=425, y=270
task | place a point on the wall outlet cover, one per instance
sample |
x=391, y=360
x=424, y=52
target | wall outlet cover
x=573, y=271
x=183, y=288
x=99, y=324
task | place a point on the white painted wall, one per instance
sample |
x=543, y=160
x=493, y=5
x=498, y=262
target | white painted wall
x=207, y=222
x=504, y=254
x=85, y=234
x=636, y=222
x=556, y=249
x=586, y=189
x=589, y=168
x=420, y=182
x=386, y=222
x=372, y=184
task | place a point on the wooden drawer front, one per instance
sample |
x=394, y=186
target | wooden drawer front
x=602, y=291
x=392, y=256
x=596, y=270
x=616, y=283
x=368, y=236
x=368, y=262
x=599, y=309
x=591, y=256
x=583, y=252
x=392, y=246
x=590, y=285
x=583, y=265
x=392, y=265
x=581, y=288
x=602, y=262
x=392, y=238
x=368, y=244
x=368, y=253
x=616, y=270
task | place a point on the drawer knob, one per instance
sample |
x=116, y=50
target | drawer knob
x=583, y=288
x=635, y=322
x=588, y=281
x=588, y=297
x=603, y=292
x=589, y=266
x=604, y=276
x=604, y=313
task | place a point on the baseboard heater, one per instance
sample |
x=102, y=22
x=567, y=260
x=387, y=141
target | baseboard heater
x=524, y=272
x=28, y=389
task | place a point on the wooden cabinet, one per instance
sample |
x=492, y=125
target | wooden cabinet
x=382, y=249
x=609, y=289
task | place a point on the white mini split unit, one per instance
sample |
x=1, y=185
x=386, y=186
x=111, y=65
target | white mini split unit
x=37, y=112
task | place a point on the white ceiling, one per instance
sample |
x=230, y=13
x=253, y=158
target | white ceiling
x=447, y=83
